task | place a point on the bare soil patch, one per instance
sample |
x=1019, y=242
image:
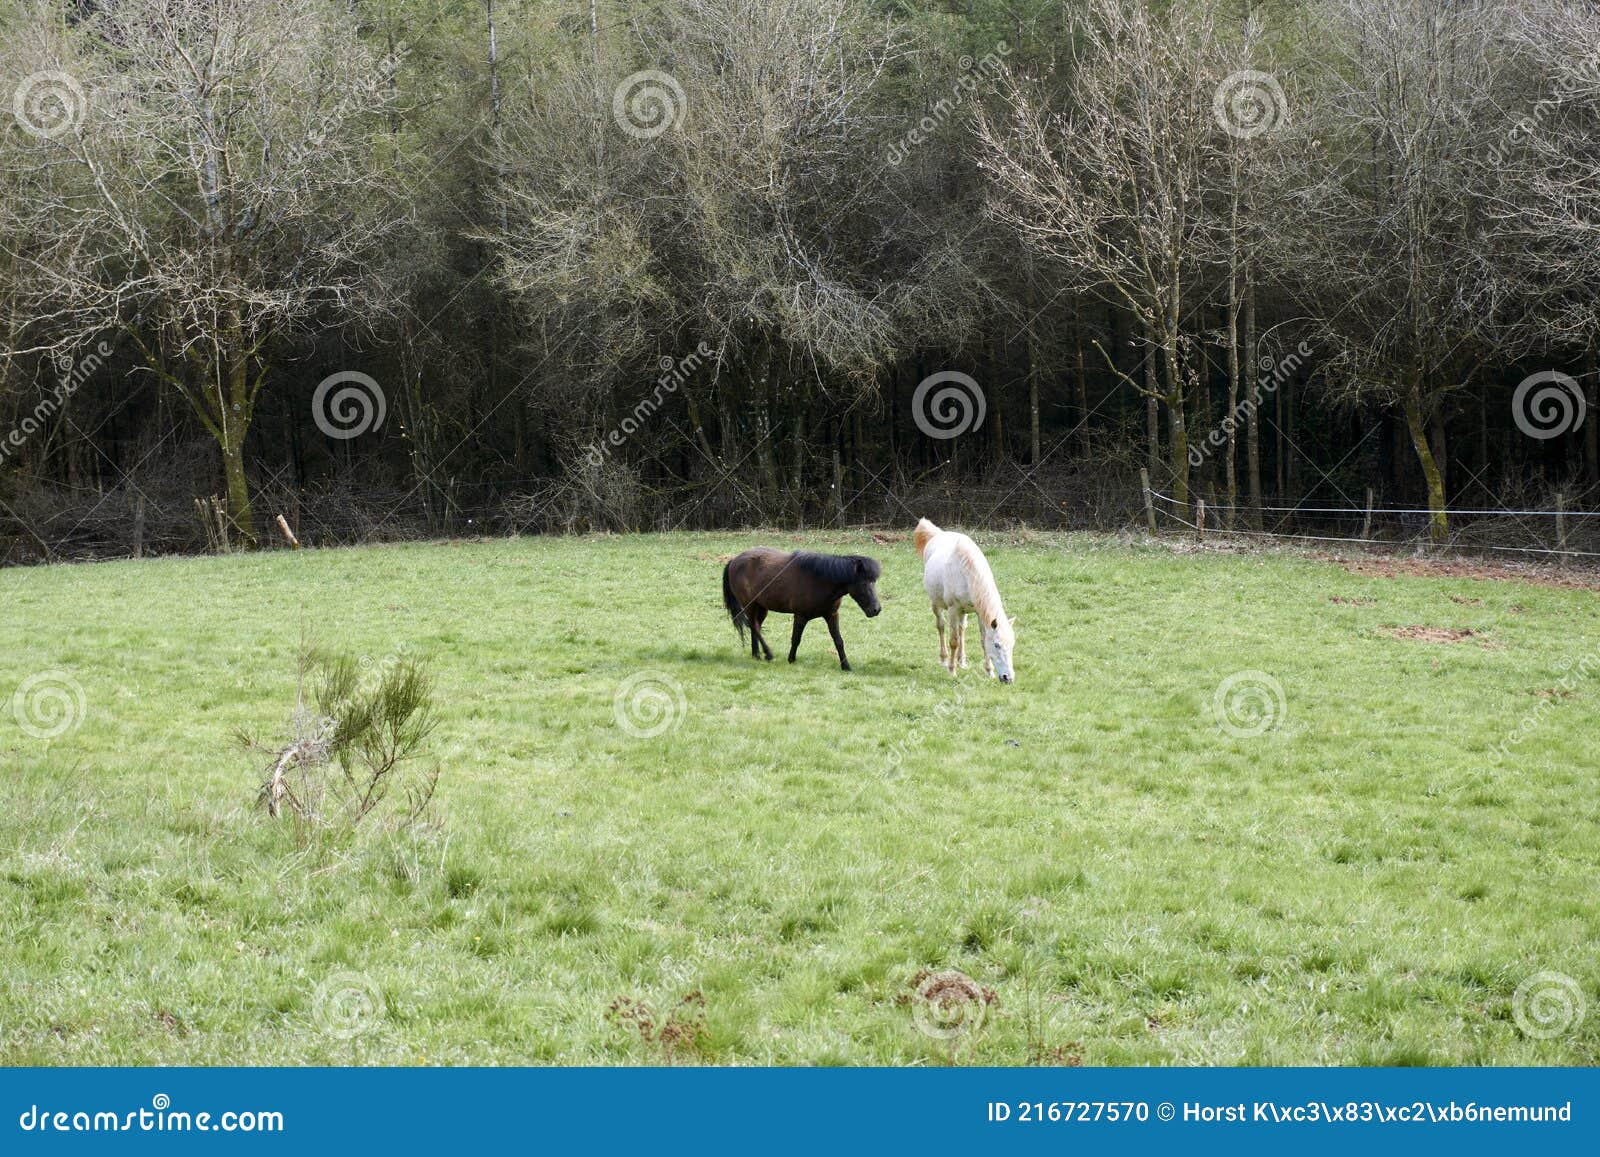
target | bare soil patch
x=1420, y=634
x=1379, y=566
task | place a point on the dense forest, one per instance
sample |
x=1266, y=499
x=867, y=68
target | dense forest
x=391, y=268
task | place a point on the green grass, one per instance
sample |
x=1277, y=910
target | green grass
x=1360, y=884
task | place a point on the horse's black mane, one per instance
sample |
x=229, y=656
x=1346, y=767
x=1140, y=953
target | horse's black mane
x=837, y=568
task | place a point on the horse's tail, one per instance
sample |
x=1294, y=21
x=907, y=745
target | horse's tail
x=925, y=532
x=732, y=603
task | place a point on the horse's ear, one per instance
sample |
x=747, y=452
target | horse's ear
x=1013, y=623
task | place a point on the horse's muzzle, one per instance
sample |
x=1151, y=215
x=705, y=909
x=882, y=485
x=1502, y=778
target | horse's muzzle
x=1006, y=678
x=874, y=612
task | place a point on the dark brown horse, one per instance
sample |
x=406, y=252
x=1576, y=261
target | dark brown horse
x=802, y=584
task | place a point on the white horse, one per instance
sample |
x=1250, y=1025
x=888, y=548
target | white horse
x=958, y=579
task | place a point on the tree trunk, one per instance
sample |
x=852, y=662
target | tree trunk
x=1252, y=437
x=1277, y=456
x=237, y=410
x=1291, y=456
x=1416, y=425
x=1033, y=396
x=1033, y=365
x=1591, y=428
x=239, y=511
x=1083, y=390
x=1229, y=430
x=1152, y=407
x=1177, y=428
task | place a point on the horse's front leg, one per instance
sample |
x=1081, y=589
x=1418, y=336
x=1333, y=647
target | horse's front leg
x=800, y=622
x=938, y=621
x=838, y=640
x=961, y=640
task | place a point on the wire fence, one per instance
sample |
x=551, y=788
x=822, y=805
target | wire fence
x=1555, y=532
x=165, y=512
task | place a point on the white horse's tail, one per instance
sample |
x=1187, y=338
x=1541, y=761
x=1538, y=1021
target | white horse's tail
x=925, y=534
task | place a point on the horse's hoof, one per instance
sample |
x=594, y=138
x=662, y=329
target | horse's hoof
x=844, y=666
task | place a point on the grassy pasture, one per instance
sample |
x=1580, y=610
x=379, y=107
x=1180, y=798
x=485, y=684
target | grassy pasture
x=1359, y=884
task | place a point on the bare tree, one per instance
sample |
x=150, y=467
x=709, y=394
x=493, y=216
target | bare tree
x=1109, y=183
x=1388, y=233
x=731, y=190
x=1545, y=209
x=218, y=191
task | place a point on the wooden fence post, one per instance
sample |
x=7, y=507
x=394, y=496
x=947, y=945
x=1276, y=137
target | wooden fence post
x=1200, y=519
x=1366, y=523
x=1149, y=507
x=1561, y=521
x=138, y=525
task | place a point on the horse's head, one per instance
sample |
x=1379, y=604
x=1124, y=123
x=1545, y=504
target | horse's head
x=861, y=586
x=998, y=640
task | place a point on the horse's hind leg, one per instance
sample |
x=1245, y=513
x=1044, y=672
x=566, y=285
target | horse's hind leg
x=800, y=622
x=938, y=621
x=758, y=616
